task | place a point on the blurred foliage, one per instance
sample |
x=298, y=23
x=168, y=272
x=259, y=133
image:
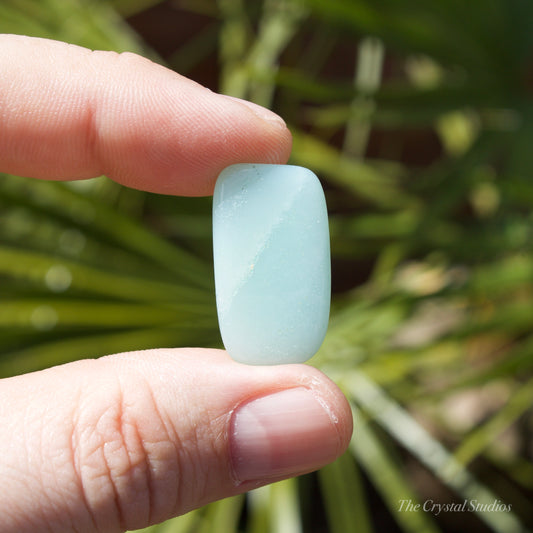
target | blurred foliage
x=418, y=118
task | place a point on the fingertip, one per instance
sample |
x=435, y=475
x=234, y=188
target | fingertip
x=336, y=403
x=259, y=111
x=240, y=132
x=191, y=136
x=287, y=433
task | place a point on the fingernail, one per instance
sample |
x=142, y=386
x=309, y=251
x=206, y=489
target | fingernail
x=282, y=435
x=262, y=112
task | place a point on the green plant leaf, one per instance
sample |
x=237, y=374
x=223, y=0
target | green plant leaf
x=344, y=497
x=412, y=436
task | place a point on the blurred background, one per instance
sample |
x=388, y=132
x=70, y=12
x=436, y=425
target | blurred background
x=418, y=118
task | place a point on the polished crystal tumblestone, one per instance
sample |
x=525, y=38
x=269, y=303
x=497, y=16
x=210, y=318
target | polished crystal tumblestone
x=272, y=262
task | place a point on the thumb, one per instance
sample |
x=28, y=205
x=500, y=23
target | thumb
x=130, y=440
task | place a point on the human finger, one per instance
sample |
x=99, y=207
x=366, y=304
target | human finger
x=129, y=440
x=67, y=112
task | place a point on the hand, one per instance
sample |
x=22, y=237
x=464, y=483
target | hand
x=133, y=439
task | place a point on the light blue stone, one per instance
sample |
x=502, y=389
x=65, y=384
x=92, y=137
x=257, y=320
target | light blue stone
x=272, y=263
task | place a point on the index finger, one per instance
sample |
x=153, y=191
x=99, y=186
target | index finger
x=67, y=112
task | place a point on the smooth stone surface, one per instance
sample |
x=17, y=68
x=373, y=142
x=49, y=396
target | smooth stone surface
x=272, y=263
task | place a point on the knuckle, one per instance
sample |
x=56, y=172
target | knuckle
x=120, y=449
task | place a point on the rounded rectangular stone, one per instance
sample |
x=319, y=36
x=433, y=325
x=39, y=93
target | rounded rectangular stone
x=272, y=262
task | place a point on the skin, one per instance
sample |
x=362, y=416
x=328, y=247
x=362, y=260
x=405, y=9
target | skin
x=134, y=439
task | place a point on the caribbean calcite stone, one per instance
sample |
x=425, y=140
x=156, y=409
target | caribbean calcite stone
x=272, y=263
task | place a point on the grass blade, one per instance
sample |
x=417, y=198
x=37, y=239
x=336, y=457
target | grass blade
x=411, y=435
x=59, y=275
x=222, y=515
x=96, y=344
x=483, y=436
x=389, y=479
x=284, y=507
x=344, y=497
